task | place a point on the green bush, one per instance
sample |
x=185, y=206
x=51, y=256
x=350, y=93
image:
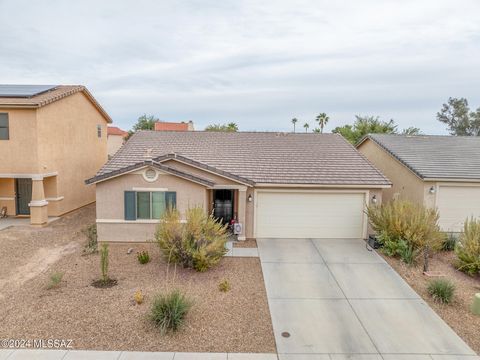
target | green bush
x=401, y=220
x=55, y=280
x=169, y=310
x=400, y=248
x=104, y=262
x=199, y=243
x=442, y=290
x=91, y=233
x=468, y=248
x=143, y=257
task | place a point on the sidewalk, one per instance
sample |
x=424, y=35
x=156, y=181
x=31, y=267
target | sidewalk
x=27, y=354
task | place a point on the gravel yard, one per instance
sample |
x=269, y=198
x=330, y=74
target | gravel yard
x=457, y=314
x=108, y=319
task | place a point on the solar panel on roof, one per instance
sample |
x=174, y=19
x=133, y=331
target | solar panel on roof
x=24, y=90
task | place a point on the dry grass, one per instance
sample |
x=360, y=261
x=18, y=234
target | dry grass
x=457, y=314
x=109, y=319
x=249, y=243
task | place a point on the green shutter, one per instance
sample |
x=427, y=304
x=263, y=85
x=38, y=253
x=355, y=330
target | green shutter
x=130, y=205
x=171, y=199
x=4, y=133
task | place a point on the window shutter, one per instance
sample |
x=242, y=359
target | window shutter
x=4, y=126
x=130, y=205
x=171, y=200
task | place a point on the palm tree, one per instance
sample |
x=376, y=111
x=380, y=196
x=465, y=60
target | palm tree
x=322, y=120
x=294, y=121
x=306, y=126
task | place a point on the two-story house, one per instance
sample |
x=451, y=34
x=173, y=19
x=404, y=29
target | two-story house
x=51, y=139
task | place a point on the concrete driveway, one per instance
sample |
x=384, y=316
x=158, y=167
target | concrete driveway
x=333, y=299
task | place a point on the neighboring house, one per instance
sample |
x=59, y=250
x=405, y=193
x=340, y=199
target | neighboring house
x=115, y=139
x=51, y=138
x=174, y=126
x=276, y=185
x=436, y=171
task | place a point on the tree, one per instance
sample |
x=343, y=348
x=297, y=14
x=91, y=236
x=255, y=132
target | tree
x=322, y=120
x=230, y=127
x=294, y=121
x=144, y=122
x=364, y=125
x=460, y=121
x=306, y=126
x=411, y=131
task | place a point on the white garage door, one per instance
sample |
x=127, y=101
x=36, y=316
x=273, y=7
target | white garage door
x=457, y=203
x=309, y=215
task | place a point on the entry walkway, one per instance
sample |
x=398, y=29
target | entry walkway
x=333, y=299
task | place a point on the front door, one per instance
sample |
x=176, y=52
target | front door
x=24, y=195
x=223, y=205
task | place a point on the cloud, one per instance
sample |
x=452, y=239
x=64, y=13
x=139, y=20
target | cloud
x=256, y=63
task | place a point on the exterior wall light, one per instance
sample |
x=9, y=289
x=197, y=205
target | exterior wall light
x=374, y=199
x=432, y=190
x=250, y=198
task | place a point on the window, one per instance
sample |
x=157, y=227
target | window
x=4, y=134
x=148, y=205
x=99, y=131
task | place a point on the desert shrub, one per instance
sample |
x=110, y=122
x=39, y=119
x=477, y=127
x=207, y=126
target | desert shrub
x=441, y=290
x=408, y=253
x=143, y=257
x=468, y=248
x=449, y=243
x=398, y=248
x=55, y=280
x=91, y=233
x=168, y=310
x=199, y=243
x=402, y=220
x=224, y=285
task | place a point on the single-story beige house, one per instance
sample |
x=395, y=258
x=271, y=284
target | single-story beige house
x=51, y=138
x=277, y=185
x=437, y=171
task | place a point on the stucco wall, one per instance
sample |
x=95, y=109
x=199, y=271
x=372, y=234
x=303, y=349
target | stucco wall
x=110, y=204
x=405, y=183
x=114, y=142
x=68, y=143
x=19, y=154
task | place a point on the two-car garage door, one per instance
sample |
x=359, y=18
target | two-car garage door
x=300, y=214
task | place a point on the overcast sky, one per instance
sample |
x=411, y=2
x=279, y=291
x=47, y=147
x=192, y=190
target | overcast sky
x=256, y=63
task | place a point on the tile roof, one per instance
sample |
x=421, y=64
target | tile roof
x=113, y=130
x=171, y=126
x=259, y=157
x=434, y=156
x=48, y=97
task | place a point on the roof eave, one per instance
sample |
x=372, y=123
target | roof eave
x=205, y=167
x=143, y=164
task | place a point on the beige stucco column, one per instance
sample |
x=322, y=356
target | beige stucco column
x=242, y=207
x=38, y=205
